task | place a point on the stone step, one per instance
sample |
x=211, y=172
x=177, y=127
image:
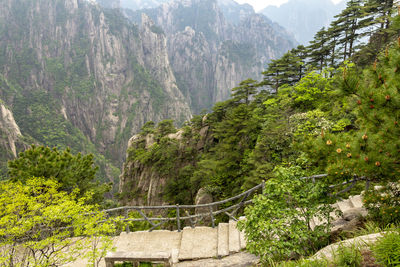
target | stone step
x=356, y=201
x=243, y=241
x=242, y=235
x=345, y=205
x=223, y=239
x=234, y=237
x=159, y=240
x=198, y=243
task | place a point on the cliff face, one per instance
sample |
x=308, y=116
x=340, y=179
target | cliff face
x=159, y=166
x=211, y=51
x=84, y=77
x=11, y=140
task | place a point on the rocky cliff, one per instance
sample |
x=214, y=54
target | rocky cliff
x=160, y=162
x=83, y=77
x=11, y=139
x=213, y=45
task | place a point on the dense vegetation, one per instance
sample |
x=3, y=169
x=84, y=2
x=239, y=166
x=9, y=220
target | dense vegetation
x=257, y=130
x=331, y=107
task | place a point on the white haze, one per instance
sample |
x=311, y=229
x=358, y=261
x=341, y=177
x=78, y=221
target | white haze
x=261, y=4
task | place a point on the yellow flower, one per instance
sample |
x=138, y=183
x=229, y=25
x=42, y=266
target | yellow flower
x=329, y=142
x=365, y=137
x=347, y=145
x=349, y=155
x=339, y=150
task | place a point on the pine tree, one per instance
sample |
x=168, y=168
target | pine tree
x=348, y=21
x=319, y=50
x=373, y=150
x=289, y=69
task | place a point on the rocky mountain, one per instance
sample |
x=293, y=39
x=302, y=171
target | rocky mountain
x=210, y=52
x=11, y=139
x=233, y=11
x=73, y=74
x=304, y=18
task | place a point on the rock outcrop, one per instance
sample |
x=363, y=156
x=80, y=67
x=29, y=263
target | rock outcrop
x=72, y=63
x=143, y=183
x=11, y=140
x=213, y=45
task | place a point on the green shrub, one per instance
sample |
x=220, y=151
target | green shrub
x=347, y=257
x=387, y=249
x=278, y=225
x=384, y=205
x=302, y=263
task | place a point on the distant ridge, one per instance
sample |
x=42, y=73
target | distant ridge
x=303, y=18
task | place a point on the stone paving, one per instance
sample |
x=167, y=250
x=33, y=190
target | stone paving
x=193, y=246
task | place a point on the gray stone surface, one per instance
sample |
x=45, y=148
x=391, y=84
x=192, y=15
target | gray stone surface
x=357, y=201
x=243, y=241
x=241, y=259
x=160, y=240
x=234, y=237
x=361, y=241
x=353, y=213
x=345, y=205
x=198, y=243
x=203, y=197
x=223, y=239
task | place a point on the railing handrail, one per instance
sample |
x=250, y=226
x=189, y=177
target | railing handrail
x=187, y=206
x=212, y=212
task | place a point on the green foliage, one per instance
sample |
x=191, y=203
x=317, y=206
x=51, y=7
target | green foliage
x=156, y=29
x=347, y=256
x=372, y=149
x=278, y=225
x=243, y=53
x=301, y=263
x=38, y=221
x=387, y=248
x=71, y=171
x=384, y=204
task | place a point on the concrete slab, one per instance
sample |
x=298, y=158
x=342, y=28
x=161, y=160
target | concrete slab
x=198, y=243
x=234, y=237
x=242, y=238
x=223, y=239
x=160, y=240
x=241, y=259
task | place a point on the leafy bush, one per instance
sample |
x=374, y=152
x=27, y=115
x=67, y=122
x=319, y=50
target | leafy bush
x=384, y=205
x=38, y=221
x=387, y=248
x=278, y=225
x=302, y=263
x=347, y=257
x=70, y=171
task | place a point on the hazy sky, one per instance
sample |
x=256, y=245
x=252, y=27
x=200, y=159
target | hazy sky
x=260, y=4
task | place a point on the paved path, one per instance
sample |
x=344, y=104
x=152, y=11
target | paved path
x=193, y=246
